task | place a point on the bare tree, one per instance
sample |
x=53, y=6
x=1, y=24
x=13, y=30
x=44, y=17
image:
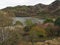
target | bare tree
x=5, y=20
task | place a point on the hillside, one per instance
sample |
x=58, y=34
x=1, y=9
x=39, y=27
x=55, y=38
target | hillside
x=38, y=10
x=54, y=8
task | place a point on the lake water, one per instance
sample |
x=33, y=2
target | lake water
x=23, y=19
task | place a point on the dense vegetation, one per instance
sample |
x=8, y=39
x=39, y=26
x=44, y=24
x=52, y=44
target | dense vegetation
x=18, y=34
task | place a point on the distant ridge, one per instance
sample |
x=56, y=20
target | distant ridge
x=39, y=10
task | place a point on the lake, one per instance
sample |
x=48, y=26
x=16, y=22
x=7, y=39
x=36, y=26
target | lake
x=23, y=19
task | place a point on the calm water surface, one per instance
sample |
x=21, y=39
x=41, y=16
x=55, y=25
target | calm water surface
x=23, y=19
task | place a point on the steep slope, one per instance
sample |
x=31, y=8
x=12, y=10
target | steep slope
x=39, y=10
x=54, y=7
x=26, y=10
